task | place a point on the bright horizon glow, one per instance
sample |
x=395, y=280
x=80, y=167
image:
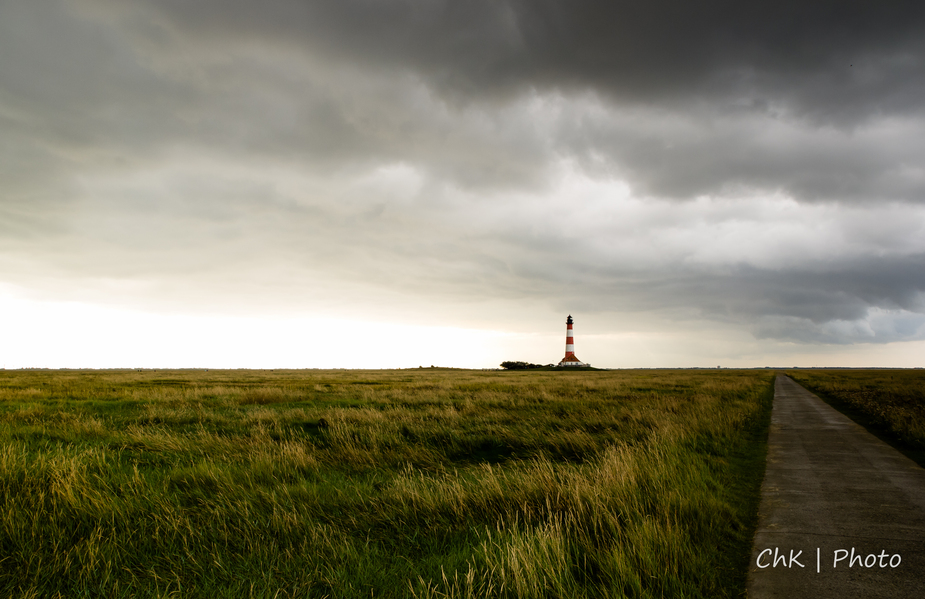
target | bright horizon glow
x=44, y=334
x=80, y=335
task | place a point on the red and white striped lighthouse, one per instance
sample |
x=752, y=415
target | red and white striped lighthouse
x=570, y=359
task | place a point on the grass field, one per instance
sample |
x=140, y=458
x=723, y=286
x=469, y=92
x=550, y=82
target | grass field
x=889, y=403
x=405, y=483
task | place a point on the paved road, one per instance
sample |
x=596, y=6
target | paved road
x=833, y=488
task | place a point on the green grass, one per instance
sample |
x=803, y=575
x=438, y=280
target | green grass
x=423, y=483
x=888, y=403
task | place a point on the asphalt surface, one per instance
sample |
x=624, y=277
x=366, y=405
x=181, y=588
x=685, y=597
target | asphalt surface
x=830, y=489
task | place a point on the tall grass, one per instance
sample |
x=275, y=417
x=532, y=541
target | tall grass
x=388, y=483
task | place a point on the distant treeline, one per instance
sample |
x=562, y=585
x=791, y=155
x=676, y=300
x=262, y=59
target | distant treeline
x=522, y=365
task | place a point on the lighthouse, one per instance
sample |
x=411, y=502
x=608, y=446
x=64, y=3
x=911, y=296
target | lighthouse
x=570, y=359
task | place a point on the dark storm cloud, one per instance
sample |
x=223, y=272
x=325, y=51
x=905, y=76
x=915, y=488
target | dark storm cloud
x=649, y=51
x=868, y=301
x=821, y=100
x=124, y=82
x=703, y=152
x=832, y=59
x=872, y=300
x=442, y=150
x=785, y=65
x=826, y=57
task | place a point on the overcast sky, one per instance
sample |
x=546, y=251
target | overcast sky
x=376, y=183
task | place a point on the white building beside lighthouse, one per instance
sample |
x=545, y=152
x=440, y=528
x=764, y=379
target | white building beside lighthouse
x=570, y=359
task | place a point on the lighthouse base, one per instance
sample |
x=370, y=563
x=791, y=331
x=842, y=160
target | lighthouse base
x=570, y=361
